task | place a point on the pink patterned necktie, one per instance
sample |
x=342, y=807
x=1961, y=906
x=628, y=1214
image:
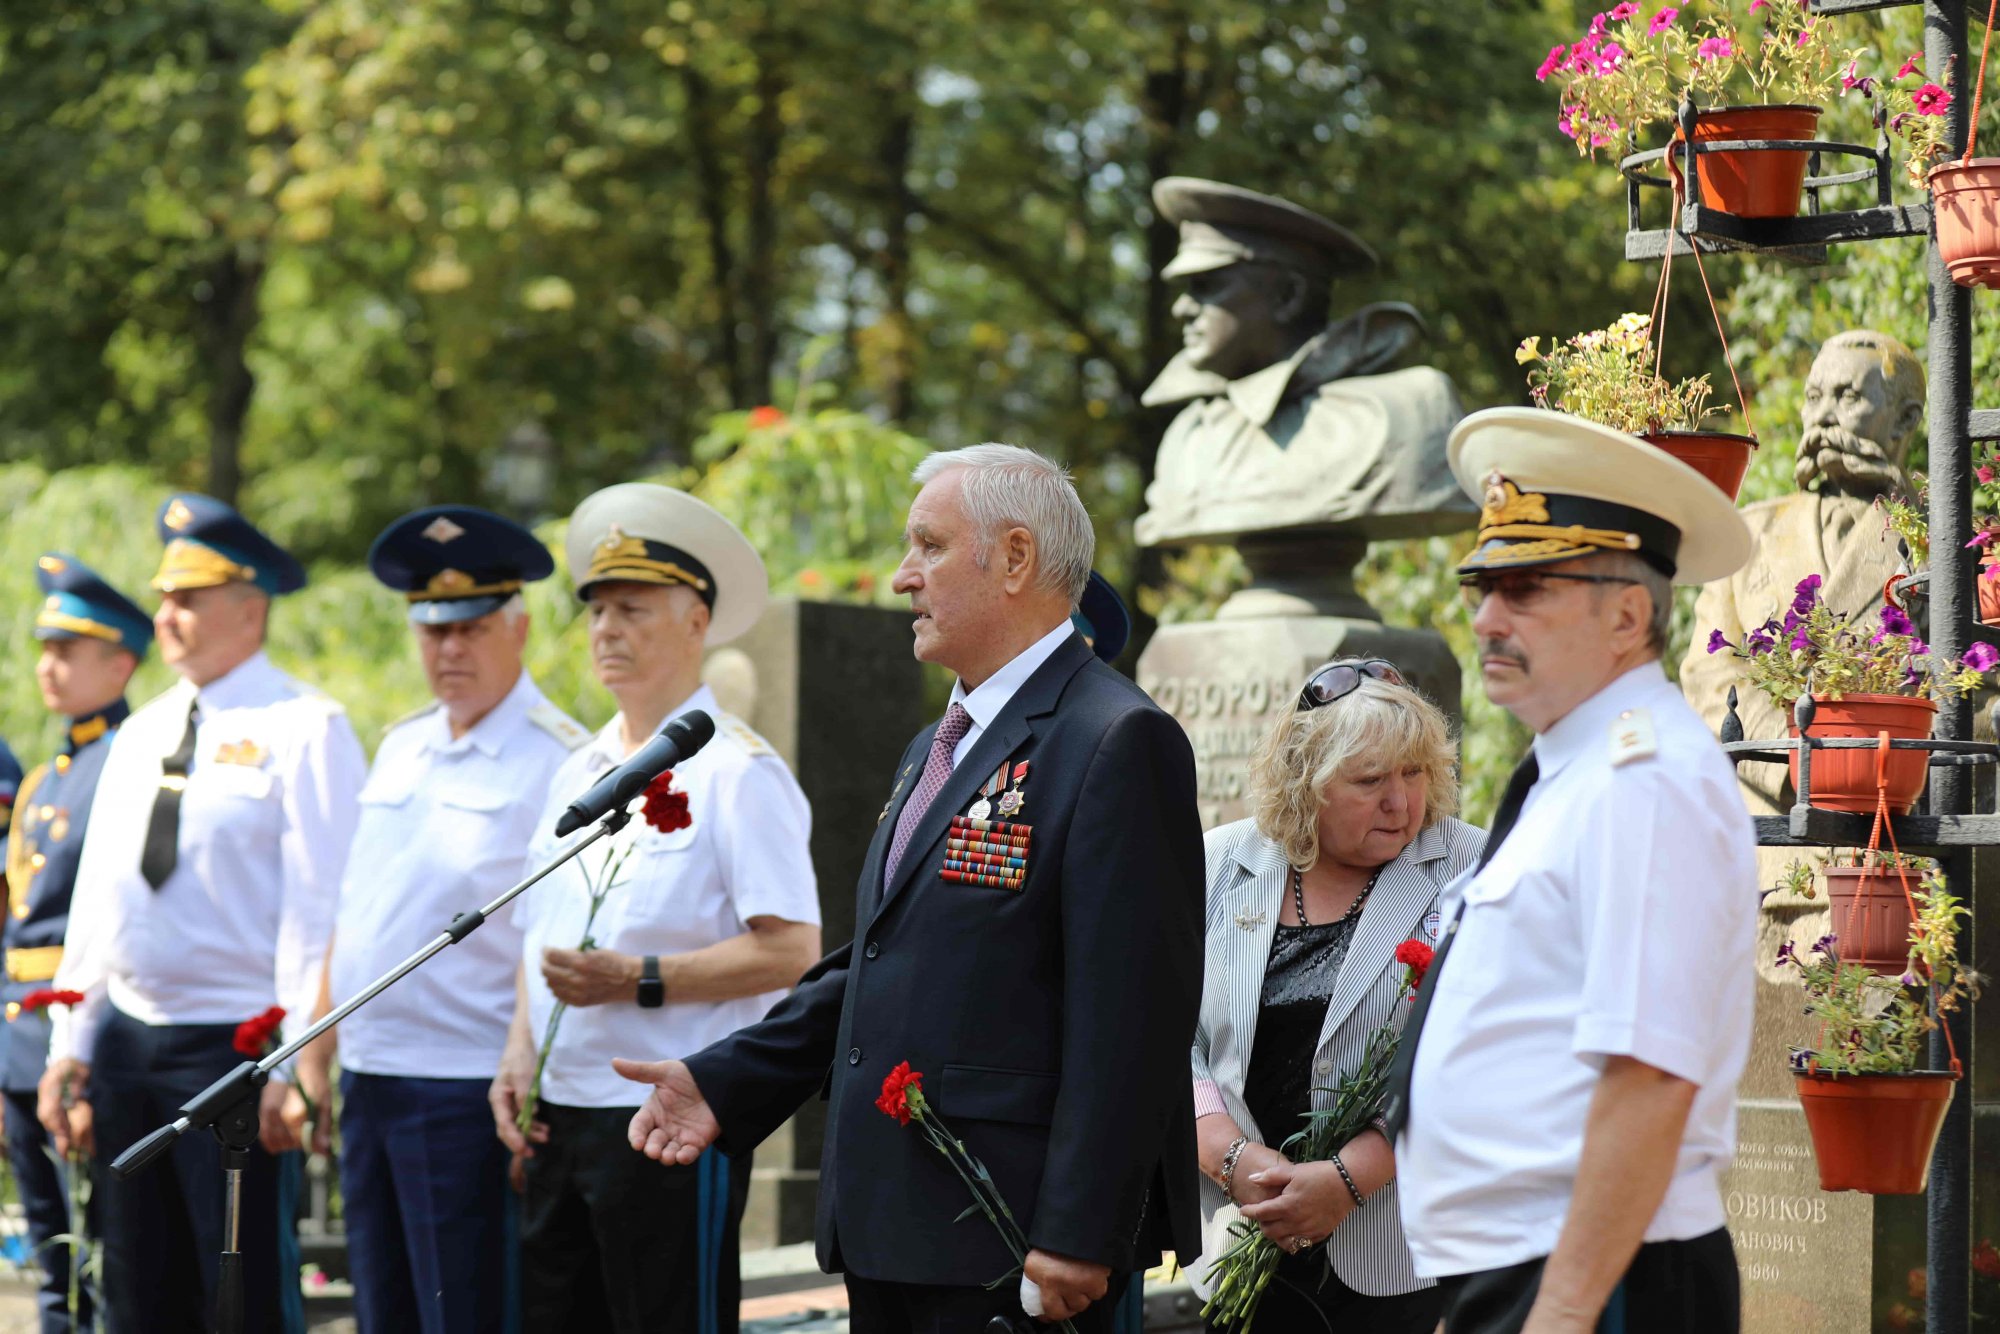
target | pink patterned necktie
x=957, y=722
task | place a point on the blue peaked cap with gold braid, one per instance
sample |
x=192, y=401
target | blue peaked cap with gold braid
x=78, y=604
x=209, y=543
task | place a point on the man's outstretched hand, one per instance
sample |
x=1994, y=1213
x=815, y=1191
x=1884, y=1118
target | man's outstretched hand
x=675, y=1125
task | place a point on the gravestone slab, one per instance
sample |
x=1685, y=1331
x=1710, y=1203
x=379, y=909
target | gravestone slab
x=836, y=691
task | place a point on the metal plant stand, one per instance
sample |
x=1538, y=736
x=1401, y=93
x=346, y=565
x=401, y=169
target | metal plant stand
x=1947, y=828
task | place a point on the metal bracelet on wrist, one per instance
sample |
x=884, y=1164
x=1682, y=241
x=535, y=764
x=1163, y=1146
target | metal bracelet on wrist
x=1352, y=1189
x=1229, y=1157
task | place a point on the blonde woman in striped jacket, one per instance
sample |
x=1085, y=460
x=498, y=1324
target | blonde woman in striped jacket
x=1351, y=839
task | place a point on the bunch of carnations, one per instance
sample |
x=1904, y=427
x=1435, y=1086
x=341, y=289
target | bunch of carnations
x=1245, y=1270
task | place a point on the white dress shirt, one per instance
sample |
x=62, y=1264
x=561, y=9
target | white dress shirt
x=1618, y=919
x=744, y=856
x=444, y=826
x=985, y=702
x=265, y=823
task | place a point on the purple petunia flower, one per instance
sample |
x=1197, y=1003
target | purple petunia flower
x=1806, y=594
x=1801, y=641
x=1894, y=622
x=1786, y=954
x=1716, y=643
x=1757, y=643
x=1981, y=657
x=1825, y=944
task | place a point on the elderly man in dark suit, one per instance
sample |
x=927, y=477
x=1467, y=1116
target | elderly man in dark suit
x=1048, y=1007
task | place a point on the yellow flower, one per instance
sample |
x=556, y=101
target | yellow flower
x=1529, y=350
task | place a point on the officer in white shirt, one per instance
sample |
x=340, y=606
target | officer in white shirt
x=1567, y=1097
x=203, y=897
x=709, y=912
x=446, y=816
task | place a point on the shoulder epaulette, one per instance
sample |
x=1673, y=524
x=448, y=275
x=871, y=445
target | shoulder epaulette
x=412, y=716
x=1632, y=737
x=559, y=725
x=742, y=734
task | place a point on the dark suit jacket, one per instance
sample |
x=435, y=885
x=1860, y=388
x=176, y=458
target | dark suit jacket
x=1051, y=1024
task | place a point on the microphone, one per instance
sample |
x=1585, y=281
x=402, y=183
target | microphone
x=676, y=742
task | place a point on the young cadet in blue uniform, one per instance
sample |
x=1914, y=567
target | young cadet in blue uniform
x=204, y=896
x=450, y=804
x=92, y=639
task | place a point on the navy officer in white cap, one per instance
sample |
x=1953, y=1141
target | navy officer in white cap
x=1567, y=1083
x=700, y=914
x=446, y=815
x=203, y=897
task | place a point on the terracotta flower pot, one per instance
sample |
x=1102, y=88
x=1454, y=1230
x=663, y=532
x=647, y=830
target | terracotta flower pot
x=1844, y=780
x=1871, y=916
x=1716, y=455
x=1752, y=183
x=1874, y=1133
x=1988, y=588
x=1965, y=200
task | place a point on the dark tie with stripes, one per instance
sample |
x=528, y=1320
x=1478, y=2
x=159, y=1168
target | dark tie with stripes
x=163, y=834
x=1396, y=1109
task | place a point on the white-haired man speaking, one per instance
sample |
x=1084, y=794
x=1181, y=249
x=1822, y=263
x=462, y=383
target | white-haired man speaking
x=1046, y=999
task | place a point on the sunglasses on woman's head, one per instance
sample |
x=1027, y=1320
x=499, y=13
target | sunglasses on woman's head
x=1338, y=679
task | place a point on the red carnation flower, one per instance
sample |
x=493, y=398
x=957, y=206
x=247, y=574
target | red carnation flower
x=897, y=1086
x=42, y=999
x=253, y=1036
x=1418, y=956
x=665, y=809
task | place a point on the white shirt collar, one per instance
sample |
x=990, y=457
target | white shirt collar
x=490, y=733
x=609, y=743
x=239, y=686
x=991, y=695
x=1586, y=725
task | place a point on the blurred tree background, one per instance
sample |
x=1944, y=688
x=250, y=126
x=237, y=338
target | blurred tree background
x=336, y=259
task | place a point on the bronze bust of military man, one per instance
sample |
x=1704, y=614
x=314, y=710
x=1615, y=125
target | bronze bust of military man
x=1863, y=403
x=1289, y=423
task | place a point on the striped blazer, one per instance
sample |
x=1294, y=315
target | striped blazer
x=1247, y=881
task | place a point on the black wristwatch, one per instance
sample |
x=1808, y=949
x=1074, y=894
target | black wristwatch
x=652, y=991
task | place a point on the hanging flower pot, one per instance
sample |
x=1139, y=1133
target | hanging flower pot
x=1720, y=457
x=1874, y=1133
x=1965, y=201
x=1871, y=913
x=1844, y=779
x=1988, y=587
x=1752, y=183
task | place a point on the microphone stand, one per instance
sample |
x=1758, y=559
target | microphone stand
x=228, y=1108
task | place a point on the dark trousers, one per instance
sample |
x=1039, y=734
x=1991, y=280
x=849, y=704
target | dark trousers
x=612, y=1241
x=423, y=1182
x=1307, y=1297
x=877, y=1307
x=1671, y=1287
x=163, y=1226
x=44, y=1189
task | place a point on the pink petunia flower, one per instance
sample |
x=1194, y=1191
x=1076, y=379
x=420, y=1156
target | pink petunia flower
x=1551, y=64
x=1625, y=11
x=1662, y=21
x=1756, y=5
x=1715, y=48
x=1567, y=121
x=1984, y=474
x=1805, y=36
x=1597, y=25
x=1609, y=59
x=1930, y=100
x=1914, y=65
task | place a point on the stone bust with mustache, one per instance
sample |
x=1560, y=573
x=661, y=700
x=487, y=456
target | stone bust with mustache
x=1289, y=422
x=1864, y=400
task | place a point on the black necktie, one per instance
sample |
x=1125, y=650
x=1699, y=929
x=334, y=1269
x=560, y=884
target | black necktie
x=1396, y=1110
x=163, y=834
